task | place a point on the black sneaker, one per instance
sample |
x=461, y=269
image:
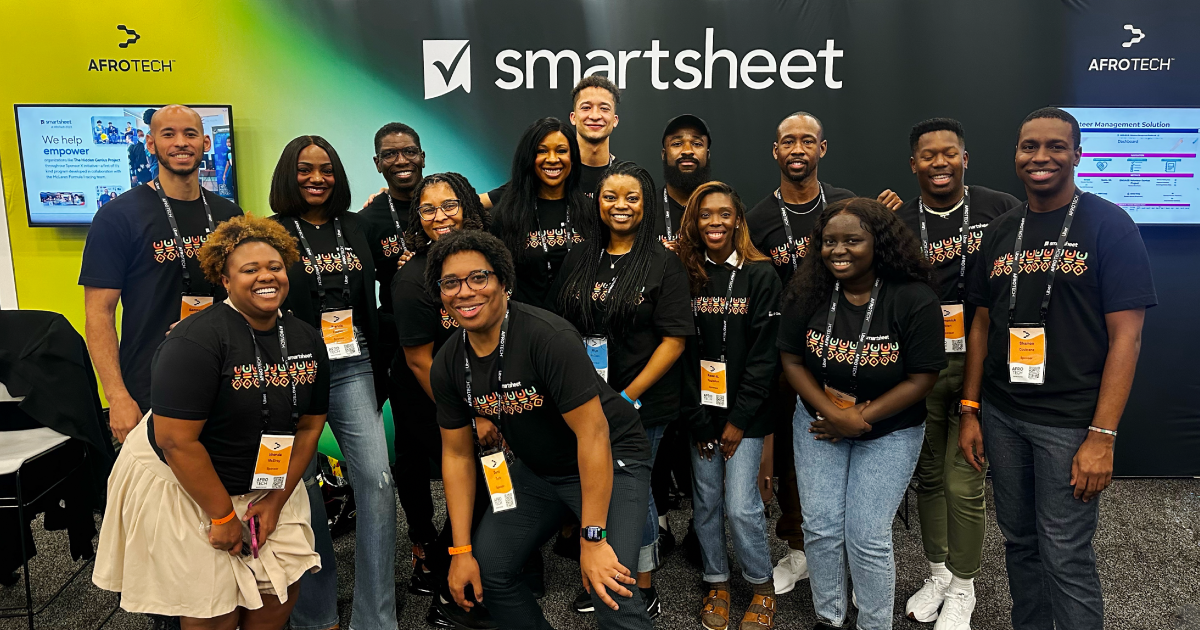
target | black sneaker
x=653, y=604
x=666, y=543
x=444, y=613
x=583, y=603
x=421, y=582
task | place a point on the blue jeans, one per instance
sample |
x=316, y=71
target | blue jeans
x=358, y=427
x=1047, y=531
x=721, y=487
x=648, y=554
x=849, y=493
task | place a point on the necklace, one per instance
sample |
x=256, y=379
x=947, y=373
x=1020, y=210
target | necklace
x=612, y=262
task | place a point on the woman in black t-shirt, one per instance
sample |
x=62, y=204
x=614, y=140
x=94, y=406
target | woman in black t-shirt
x=537, y=215
x=730, y=370
x=579, y=446
x=862, y=346
x=627, y=295
x=334, y=281
x=194, y=484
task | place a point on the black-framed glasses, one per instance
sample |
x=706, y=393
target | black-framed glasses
x=449, y=207
x=477, y=280
x=387, y=156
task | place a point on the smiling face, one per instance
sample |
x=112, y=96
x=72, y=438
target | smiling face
x=177, y=139
x=400, y=161
x=621, y=204
x=595, y=114
x=939, y=162
x=799, y=147
x=440, y=225
x=314, y=174
x=717, y=221
x=255, y=279
x=847, y=248
x=552, y=164
x=1046, y=156
x=475, y=310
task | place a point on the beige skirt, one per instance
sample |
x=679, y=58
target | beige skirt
x=154, y=547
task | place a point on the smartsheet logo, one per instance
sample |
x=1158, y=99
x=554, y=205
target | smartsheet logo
x=447, y=66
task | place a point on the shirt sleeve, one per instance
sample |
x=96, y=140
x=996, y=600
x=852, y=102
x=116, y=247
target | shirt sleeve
x=106, y=254
x=497, y=193
x=416, y=319
x=452, y=409
x=184, y=380
x=923, y=338
x=318, y=402
x=979, y=281
x=673, y=312
x=792, y=338
x=762, y=362
x=564, y=366
x=1125, y=278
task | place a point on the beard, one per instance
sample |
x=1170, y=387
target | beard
x=808, y=172
x=182, y=172
x=687, y=182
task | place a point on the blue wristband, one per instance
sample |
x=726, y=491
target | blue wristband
x=637, y=404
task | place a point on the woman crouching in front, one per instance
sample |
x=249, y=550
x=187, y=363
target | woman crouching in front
x=204, y=520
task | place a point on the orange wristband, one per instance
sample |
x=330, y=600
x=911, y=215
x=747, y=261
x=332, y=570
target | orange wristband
x=454, y=551
x=969, y=403
x=221, y=521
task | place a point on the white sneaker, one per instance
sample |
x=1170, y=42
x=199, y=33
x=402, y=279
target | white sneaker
x=956, y=611
x=923, y=606
x=791, y=569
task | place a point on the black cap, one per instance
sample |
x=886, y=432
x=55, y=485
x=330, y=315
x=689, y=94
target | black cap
x=687, y=120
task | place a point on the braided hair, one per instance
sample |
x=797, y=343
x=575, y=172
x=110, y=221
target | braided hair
x=474, y=215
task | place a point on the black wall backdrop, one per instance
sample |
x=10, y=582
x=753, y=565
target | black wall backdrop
x=984, y=63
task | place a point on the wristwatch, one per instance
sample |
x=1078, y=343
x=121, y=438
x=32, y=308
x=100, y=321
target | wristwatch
x=968, y=406
x=593, y=533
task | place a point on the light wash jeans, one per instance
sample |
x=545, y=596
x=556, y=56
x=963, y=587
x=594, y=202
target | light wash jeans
x=721, y=487
x=849, y=492
x=648, y=554
x=358, y=426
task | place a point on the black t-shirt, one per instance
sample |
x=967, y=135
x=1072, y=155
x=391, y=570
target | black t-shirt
x=589, y=178
x=751, y=356
x=205, y=370
x=549, y=240
x=770, y=237
x=660, y=217
x=664, y=310
x=385, y=243
x=131, y=247
x=546, y=374
x=906, y=337
x=1104, y=269
x=420, y=317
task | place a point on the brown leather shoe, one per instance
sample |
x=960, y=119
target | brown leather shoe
x=760, y=615
x=715, y=613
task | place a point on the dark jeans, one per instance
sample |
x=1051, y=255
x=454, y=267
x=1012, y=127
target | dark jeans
x=504, y=540
x=1047, y=531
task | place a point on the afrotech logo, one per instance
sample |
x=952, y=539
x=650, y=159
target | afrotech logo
x=447, y=67
x=97, y=64
x=1124, y=64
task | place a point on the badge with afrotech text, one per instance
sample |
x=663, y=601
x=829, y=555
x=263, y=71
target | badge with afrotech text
x=1027, y=355
x=499, y=482
x=956, y=327
x=274, y=457
x=840, y=398
x=337, y=329
x=191, y=304
x=597, y=349
x=713, y=387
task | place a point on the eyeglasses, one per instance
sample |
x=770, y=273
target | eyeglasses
x=389, y=155
x=449, y=207
x=477, y=280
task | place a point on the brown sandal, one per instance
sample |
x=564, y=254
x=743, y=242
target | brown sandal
x=760, y=614
x=715, y=613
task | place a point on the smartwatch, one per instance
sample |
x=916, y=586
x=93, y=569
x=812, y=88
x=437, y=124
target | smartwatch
x=593, y=533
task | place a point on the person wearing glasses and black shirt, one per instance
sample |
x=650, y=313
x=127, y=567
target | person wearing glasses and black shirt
x=200, y=524
x=333, y=289
x=579, y=447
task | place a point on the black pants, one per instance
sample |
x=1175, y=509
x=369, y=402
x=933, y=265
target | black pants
x=504, y=540
x=418, y=450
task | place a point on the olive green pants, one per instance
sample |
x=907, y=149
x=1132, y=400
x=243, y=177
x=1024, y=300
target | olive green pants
x=949, y=492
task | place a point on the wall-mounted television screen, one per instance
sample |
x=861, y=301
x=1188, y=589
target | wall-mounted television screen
x=1142, y=159
x=76, y=158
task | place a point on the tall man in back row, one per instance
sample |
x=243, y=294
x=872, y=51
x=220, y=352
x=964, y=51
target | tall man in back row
x=949, y=218
x=141, y=251
x=1061, y=292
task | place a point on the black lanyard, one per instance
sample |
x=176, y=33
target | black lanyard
x=499, y=372
x=667, y=213
x=179, y=251
x=724, y=316
x=546, y=237
x=964, y=236
x=1018, y=253
x=341, y=251
x=396, y=220
x=787, y=225
x=862, y=336
x=261, y=374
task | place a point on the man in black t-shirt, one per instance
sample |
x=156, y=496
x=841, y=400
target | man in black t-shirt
x=594, y=113
x=140, y=251
x=948, y=218
x=400, y=159
x=1052, y=363
x=686, y=143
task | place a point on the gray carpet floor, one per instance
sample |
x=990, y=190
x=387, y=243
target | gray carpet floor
x=1148, y=545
